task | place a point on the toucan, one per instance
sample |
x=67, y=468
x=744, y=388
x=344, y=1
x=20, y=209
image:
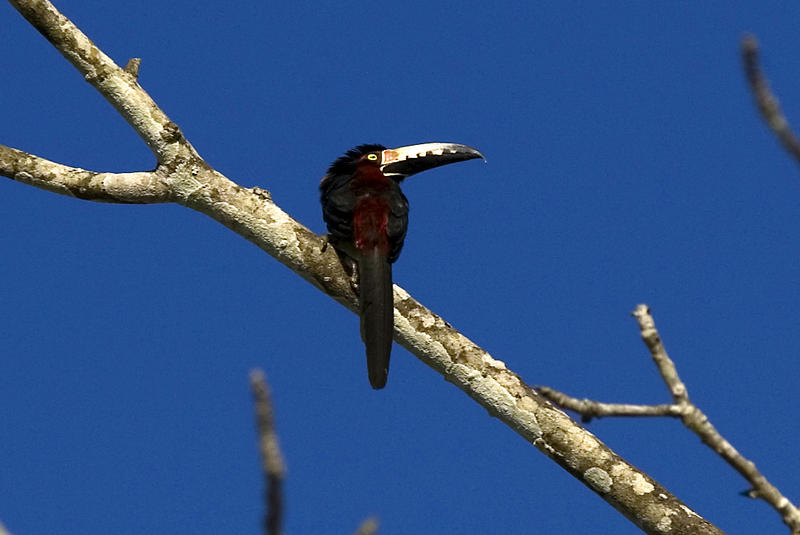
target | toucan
x=367, y=219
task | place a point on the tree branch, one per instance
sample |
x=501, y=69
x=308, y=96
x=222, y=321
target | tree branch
x=690, y=414
x=142, y=187
x=589, y=408
x=252, y=214
x=666, y=367
x=767, y=102
x=116, y=85
x=271, y=458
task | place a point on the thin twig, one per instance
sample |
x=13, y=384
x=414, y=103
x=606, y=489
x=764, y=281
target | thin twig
x=767, y=102
x=271, y=459
x=665, y=365
x=589, y=408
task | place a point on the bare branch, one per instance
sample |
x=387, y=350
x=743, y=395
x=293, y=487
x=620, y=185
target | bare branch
x=767, y=102
x=132, y=67
x=143, y=187
x=589, y=409
x=252, y=214
x=117, y=86
x=698, y=422
x=367, y=527
x=692, y=417
x=271, y=458
x=665, y=366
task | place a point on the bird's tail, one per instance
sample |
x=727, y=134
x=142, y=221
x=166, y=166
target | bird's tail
x=377, y=313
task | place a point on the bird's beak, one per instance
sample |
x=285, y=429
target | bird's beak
x=406, y=161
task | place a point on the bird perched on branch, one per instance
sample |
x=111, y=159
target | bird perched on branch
x=367, y=218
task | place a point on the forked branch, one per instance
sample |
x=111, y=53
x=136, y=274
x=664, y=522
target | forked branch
x=688, y=412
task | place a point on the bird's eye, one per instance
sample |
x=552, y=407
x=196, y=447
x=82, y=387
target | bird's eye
x=372, y=157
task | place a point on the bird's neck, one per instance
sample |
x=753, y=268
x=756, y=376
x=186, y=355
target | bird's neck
x=371, y=215
x=368, y=180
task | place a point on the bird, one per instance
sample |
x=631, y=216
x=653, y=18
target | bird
x=366, y=215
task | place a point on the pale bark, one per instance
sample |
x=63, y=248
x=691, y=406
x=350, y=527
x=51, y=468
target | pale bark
x=185, y=178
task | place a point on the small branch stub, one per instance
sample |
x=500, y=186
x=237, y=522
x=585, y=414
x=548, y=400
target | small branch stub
x=132, y=67
x=368, y=527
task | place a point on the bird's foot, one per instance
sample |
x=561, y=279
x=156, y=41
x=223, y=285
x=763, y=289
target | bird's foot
x=351, y=269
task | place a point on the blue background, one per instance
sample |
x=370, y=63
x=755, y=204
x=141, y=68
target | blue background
x=626, y=164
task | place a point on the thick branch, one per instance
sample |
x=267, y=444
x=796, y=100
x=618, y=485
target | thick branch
x=116, y=85
x=143, y=187
x=767, y=102
x=252, y=214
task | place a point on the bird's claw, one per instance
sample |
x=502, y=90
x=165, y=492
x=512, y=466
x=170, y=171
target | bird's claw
x=351, y=269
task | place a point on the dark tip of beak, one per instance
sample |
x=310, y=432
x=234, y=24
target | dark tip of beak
x=412, y=159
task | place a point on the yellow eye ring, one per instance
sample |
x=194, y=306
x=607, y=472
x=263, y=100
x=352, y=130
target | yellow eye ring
x=372, y=157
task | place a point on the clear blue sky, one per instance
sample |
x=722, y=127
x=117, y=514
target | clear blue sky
x=626, y=164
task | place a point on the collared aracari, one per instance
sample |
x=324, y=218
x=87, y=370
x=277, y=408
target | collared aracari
x=367, y=218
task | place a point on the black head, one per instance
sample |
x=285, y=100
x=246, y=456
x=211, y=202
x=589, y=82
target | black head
x=346, y=164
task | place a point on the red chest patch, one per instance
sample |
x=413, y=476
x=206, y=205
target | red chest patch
x=371, y=214
x=369, y=224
